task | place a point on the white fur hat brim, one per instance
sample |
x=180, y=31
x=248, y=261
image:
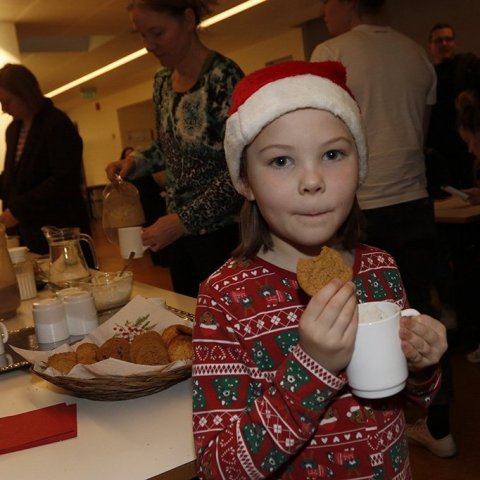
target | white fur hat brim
x=286, y=95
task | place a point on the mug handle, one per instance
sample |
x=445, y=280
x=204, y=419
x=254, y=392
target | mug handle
x=89, y=240
x=409, y=312
x=4, y=332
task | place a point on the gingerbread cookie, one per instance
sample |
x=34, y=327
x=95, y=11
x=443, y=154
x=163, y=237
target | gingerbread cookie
x=314, y=273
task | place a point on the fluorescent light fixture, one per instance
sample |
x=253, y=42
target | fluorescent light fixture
x=97, y=73
x=230, y=12
x=139, y=53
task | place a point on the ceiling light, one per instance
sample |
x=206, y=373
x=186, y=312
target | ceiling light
x=139, y=53
x=230, y=12
x=97, y=73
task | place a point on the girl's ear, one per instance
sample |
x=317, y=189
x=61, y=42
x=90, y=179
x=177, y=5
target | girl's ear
x=245, y=190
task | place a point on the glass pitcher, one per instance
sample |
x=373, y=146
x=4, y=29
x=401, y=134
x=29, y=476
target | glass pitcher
x=67, y=263
x=9, y=292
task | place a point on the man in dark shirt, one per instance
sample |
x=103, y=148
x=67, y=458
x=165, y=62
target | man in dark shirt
x=455, y=73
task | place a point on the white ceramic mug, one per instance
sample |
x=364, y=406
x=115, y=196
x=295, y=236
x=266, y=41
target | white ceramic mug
x=378, y=367
x=130, y=240
x=50, y=320
x=3, y=337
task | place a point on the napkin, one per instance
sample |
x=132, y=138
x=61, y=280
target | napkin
x=38, y=427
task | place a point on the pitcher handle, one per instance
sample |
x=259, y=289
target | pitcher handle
x=87, y=238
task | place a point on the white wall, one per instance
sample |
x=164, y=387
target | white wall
x=100, y=131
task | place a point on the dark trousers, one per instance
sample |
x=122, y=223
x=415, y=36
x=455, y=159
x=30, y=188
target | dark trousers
x=407, y=231
x=193, y=258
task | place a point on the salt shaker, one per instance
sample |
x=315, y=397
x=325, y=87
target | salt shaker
x=24, y=272
x=50, y=320
x=81, y=312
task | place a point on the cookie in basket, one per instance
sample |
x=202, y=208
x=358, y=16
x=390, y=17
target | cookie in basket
x=314, y=273
x=173, y=331
x=114, y=347
x=87, y=353
x=148, y=349
x=180, y=348
x=63, y=362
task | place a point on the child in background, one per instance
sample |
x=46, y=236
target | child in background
x=468, y=121
x=271, y=398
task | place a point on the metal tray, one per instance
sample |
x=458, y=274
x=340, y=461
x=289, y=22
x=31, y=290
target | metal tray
x=23, y=338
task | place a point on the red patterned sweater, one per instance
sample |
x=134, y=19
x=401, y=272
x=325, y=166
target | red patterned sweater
x=263, y=408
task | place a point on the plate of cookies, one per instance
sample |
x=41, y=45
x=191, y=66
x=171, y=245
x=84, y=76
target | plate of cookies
x=142, y=349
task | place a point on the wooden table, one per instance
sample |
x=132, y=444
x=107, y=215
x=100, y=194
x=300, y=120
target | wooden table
x=137, y=439
x=455, y=210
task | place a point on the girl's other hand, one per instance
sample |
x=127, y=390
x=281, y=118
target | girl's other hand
x=424, y=341
x=328, y=326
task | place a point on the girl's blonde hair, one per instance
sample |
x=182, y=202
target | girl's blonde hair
x=201, y=8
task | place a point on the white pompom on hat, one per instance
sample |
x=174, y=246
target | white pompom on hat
x=269, y=93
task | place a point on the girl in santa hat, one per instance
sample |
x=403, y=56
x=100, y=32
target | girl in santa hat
x=269, y=370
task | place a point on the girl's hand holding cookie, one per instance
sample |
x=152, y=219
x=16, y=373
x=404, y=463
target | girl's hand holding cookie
x=328, y=326
x=424, y=341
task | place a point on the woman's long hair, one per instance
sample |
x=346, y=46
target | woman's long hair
x=468, y=110
x=21, y=82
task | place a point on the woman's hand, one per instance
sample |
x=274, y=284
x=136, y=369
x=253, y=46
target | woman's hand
x=328, y=326
x=424, y=341
x=163, y=232
x=120, y=167
x=7, y=218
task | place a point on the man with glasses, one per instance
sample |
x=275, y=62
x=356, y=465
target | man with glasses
x=455, y=73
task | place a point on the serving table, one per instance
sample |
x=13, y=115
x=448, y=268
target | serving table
x=455, y=210
x=143, y=438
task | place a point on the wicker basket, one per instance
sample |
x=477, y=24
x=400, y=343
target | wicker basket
x=110, y=388
x=118, y=388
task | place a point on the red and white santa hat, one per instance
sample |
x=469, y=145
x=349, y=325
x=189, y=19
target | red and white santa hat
x=265, y=95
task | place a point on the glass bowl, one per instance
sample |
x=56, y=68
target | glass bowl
x=110, y=289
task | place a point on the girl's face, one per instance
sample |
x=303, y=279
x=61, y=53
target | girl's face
x=472, y=139
x=166, y=36
x=302, y=171
x=337, y=15
x=14, y=105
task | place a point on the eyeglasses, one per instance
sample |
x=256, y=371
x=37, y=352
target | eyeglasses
x=440, y=40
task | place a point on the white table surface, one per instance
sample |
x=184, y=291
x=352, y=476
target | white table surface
x=129, y=439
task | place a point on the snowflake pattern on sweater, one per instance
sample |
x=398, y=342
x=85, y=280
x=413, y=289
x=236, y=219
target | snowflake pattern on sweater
x=263, y=408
